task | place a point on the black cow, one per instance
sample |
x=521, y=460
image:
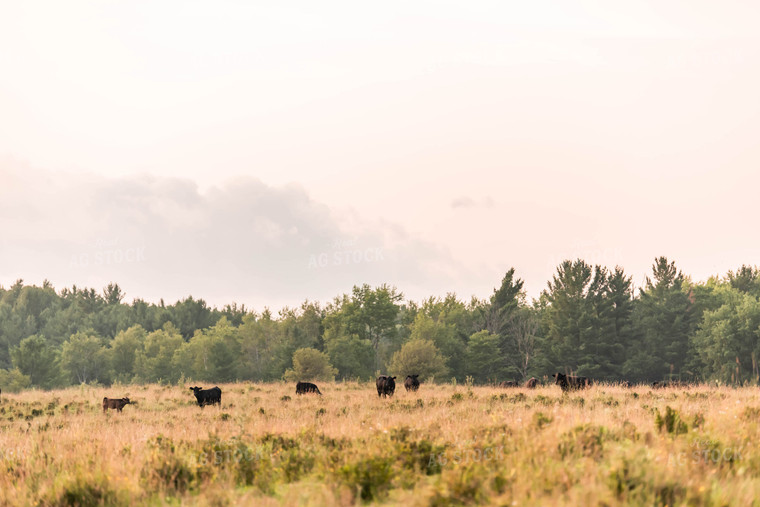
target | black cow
x=569, y=382
x=509, y=383
x=386, y=385
x=307, y=387
x=207, y=396
x=531, y=383
x=412, y=383
x=117, y=403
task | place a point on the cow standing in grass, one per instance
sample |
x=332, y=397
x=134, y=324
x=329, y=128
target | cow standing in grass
x=509, y=383
x=569, y=382
x=207, y=396
x=386, y=385
x=307, y=387
x=531, y=383
x=412, y=383
x=117, y=403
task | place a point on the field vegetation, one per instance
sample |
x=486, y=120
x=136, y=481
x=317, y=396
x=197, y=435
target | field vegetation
x=443, y=445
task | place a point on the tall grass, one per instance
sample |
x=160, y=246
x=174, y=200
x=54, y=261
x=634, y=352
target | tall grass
x=442, y=445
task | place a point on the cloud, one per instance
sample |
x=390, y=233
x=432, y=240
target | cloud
x=241, y=241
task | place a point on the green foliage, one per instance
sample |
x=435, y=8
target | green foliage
x=484, y=361
x=310, y=364
x=588, y=321
x=37, y=359
x=369, y=478
x=84, y=359
x=418, y=357
x=155, y=361
x=671, y=422
x=13, y=381
x=124, y=350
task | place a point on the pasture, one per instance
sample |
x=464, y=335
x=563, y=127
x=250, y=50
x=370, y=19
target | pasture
x=441, y=445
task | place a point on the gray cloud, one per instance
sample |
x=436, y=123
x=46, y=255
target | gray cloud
x=240, y=241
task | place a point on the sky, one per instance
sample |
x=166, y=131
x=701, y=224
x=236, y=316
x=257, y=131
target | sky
x=269, y=154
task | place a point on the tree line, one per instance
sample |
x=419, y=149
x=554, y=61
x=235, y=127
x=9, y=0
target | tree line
x=588, y=320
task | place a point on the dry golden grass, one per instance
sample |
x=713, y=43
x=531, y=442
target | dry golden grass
x=441, y=445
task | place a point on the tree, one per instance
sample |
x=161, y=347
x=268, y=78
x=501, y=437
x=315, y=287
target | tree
x=665, y=318
x=124, y=350
x=746, y=279
x=352, y=356
x=728, y=340
x=83, y=358
x=484, y=361
x=37, y=359
x=310, y=364
x=567, y=317
x=445, y=338
x=418, y=357
x=523, y=330
x=371, y=314
x=154, y=362
x=210, y=355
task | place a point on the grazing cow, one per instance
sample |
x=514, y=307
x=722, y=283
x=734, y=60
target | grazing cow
x=569, y=382
x=117, y=403
x=386, y=385
x=531, y=383
x=509, y=383
x=412, y=383
x=207, y=396
x=307, y=387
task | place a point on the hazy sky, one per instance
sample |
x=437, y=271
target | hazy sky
x=269, y=154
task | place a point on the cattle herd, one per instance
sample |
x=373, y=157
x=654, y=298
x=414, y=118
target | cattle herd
x=386, y=386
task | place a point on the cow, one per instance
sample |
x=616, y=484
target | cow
x=207, y=396
x=307, y=387
x=660, y=384
x=569, y=382
x=117, y=403
x=626, y=383
x=386, y=385
x=509, y=383
x=412, y=383
x=531, y=383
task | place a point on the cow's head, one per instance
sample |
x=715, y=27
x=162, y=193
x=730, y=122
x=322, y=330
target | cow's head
x=196, y=389
x=126, y=401
x=559, y=378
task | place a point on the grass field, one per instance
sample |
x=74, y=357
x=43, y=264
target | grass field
x=442, y=445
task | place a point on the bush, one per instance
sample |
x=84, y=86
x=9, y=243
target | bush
x=671, y=422
x=310, y=364
x=419, y=357
x=14, y=381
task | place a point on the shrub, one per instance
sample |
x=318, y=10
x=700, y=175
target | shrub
x=369, y=478
x=671, y=422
